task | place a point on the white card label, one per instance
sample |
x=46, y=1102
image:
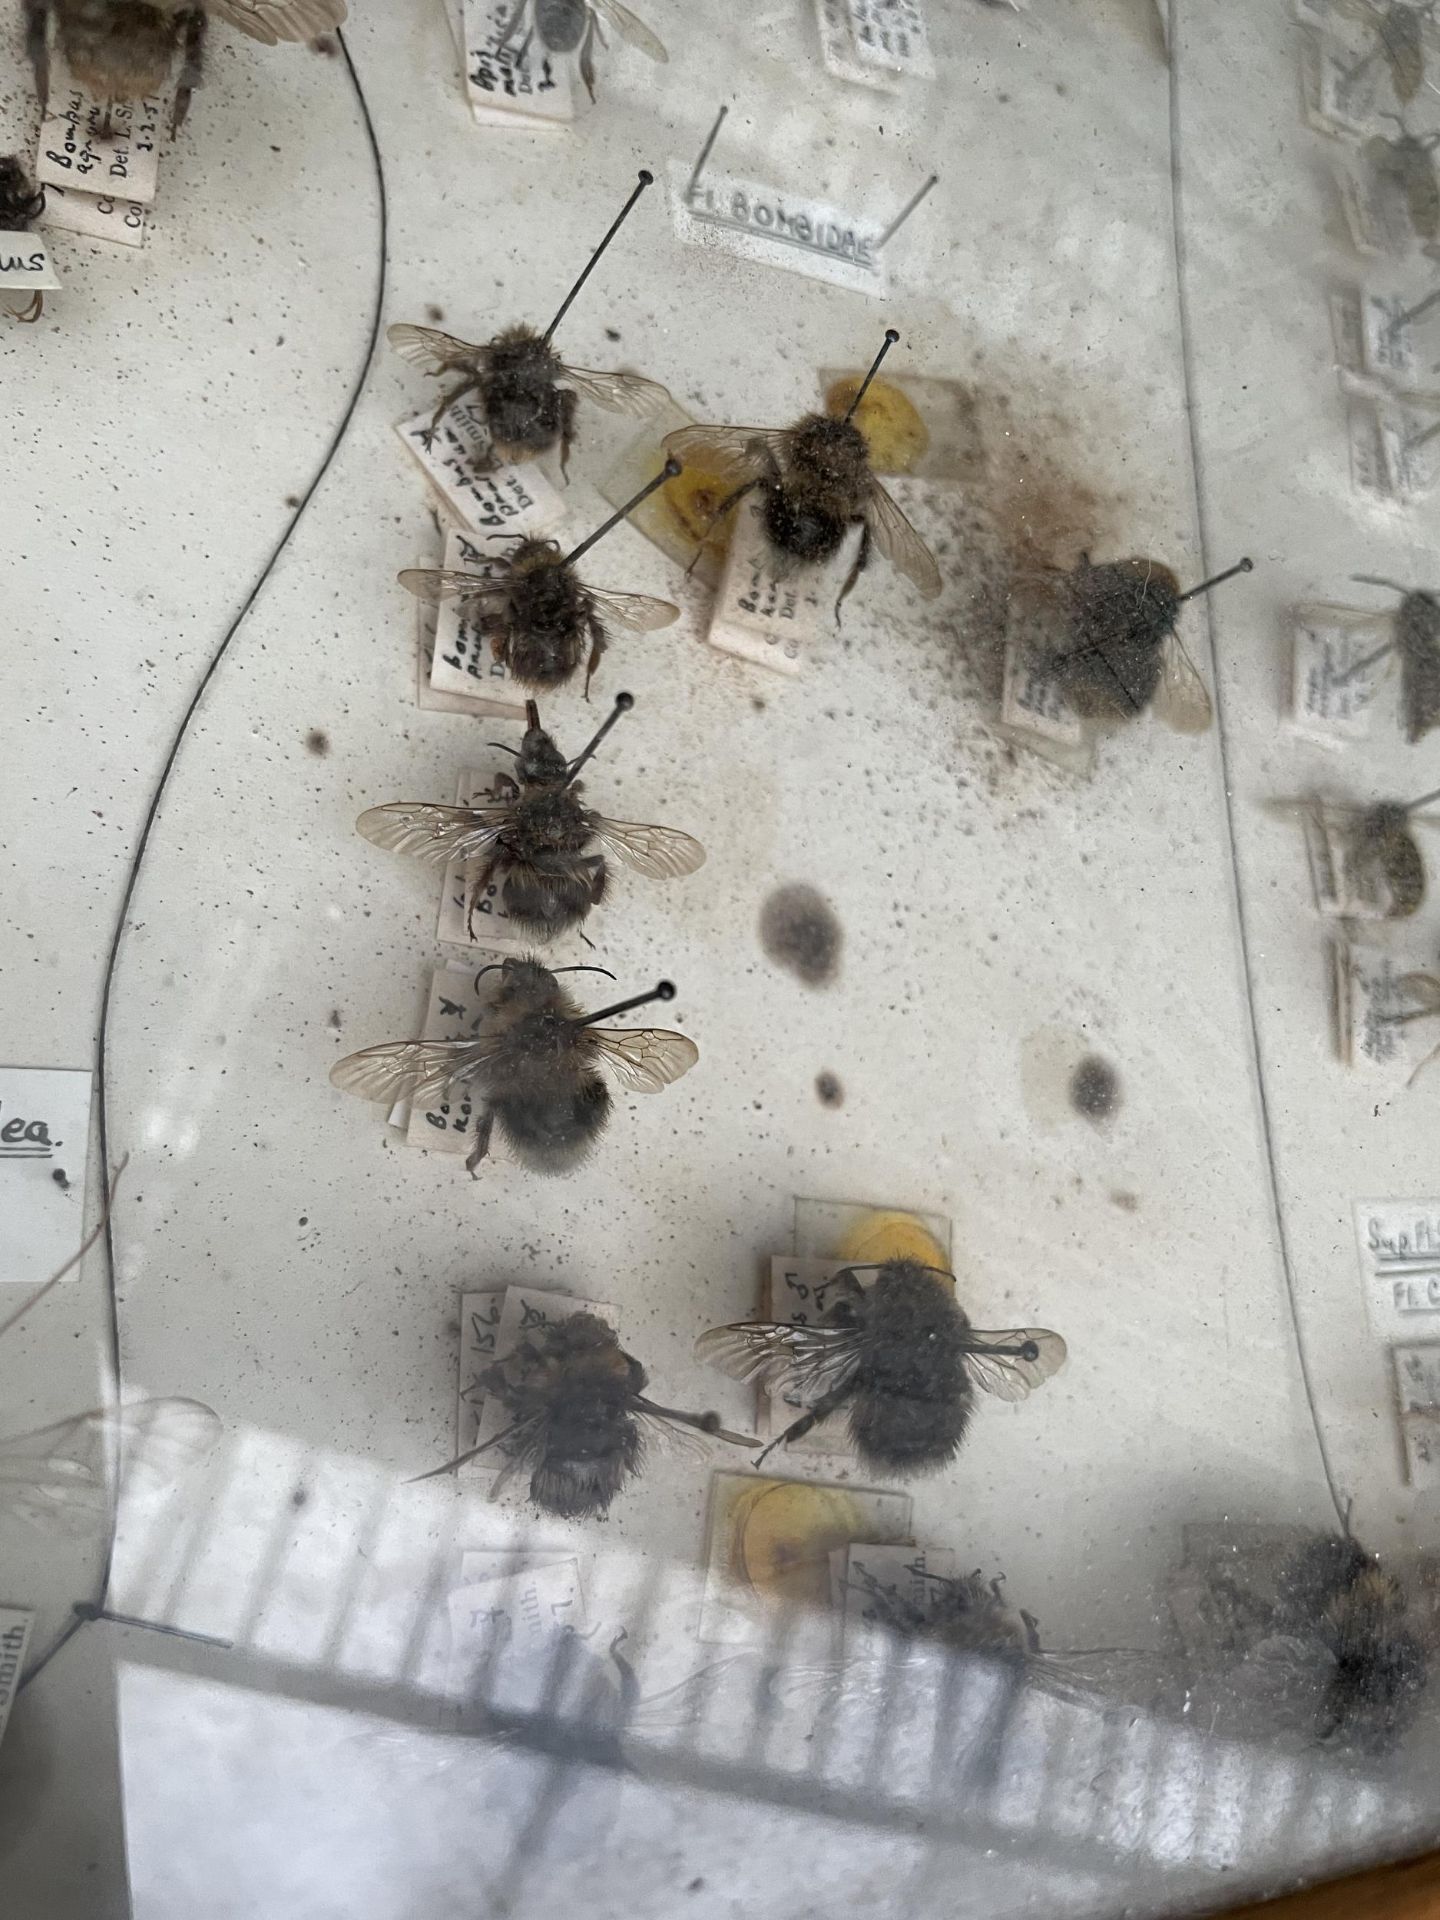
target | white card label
x=44, y=1143
x=492, y=704
x=1341, y=90
x=1417, y=1391
x=455, y=1012
x=837, y=50
x=745, y=218
x=1367, y=998
x=454, y=455
x=493, y=926
x=891, y=34
x=25, y=264
x=1392, y=326
x=508, y=86
x=911, y=1574
x=524, y=1311
x=1034, y=700
x=1368, y=471
x=1399, y=1244
x=74, y=152
x=123, y=223
x=1410, y=449
x=15, y=1625
x=759, y=614
x=464, y=662
x=1332, y=700
x=479, y=1334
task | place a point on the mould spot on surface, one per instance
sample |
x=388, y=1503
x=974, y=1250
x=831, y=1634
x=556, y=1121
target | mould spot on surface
x=1127, y=1202
x=434, y=314
x=799, y=932
x=318, y=742
x=829, y=1089
x=1095, y=1088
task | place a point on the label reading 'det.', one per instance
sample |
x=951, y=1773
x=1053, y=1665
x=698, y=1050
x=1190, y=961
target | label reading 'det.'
x=1399, y=1244
x=77, y=152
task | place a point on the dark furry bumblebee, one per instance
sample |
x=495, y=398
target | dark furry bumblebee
x=534, y=1067
x=564, y=25
x=1334, y=1599
x=579, y=1417
x=539, y=615
x=1417, y=641
x=124, y=49
x=900, y=1356
x=1123, y=650
x=535, y=846
x=21, y=204
x=816, y=482
x=518, y=376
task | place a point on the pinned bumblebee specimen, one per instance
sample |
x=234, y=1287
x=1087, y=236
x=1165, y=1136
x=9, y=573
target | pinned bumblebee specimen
x=1424, y=990
x=1365, y=861
x=534, y=1068
x=21, y=205
x=1417, y=641
x=1403, y=169
x=563, y=25
x=816, y=483
x=541, y=845
x=529, y=395
x=899, y=1357
x=125, y=49
x=1124, y=653
x=580, y=1420
x=538, y=613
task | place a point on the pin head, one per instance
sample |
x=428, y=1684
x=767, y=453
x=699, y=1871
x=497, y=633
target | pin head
x=665, y=990
x=891, y=336
x=645, y=177
x=672, y=467
x=624, y=701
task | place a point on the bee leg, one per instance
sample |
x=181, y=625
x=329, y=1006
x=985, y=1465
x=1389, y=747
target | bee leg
x=597, y=882
x=37, y=44
x=481, y=881
x=569, y=406
x=447, y=400
x=730, y=500
x=31, y=311
x=192, y=66
x=1032, y=1631
x=821, y=1410
x=481, y=1147
x=862, y=560
x=597, y=649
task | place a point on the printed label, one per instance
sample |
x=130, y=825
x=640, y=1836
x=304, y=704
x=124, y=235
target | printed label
x=1034, y=700
x=837, y=50
x=746, y=218
x=513, y=79
x=1332, y=701
x=44, y=1145
x=454, y=454
x=25, y=264
x=891, y=34
x=1399, y=1245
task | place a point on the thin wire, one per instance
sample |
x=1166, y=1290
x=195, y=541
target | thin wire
x=1342, y=1508
x=137, y=859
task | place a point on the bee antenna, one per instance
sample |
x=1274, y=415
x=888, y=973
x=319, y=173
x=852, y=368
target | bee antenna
x=500, y=747
x=667, y=472
x=1241, y=566
x=1378, y=580
x=623, y=703
x=1424, y=801
x=583, y=969
x=662, y=990
x=891, y=336
x=645, y=180
x=494, y=967
x=532, y=717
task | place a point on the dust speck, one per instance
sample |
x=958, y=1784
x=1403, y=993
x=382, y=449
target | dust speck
x=1095, y=1088
x=318, y=742
x=829, y=1089
x=434, y=314
x=799, y=932
x=1127, y=1202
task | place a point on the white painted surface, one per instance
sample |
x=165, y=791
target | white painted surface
x=280, y=1260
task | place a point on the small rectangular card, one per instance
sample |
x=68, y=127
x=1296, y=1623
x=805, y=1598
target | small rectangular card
x=479, y=1337
x=1344, y=890
x=25, y=264
x=463, y=662
x=454, y=455
x=1417, y=1393
x=837, y=50
x=1343, y=93
x=75, y=153
x=912, y=1574
x=15, y=1625
x=493, y=926
x=728, y=213
x=1333, y=701
x=511, y=78
x=506, y=1631
x=1367, y=997
x=44, y=1147
x=890, y=34
x=1400, y=339
x=760, y=614
x=123, y=223
x=429, y=701
x=524, y=1311
x=1399, y=1248
x=1410, y=448
x=455, y=1012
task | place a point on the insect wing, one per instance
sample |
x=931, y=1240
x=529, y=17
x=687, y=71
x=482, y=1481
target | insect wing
x=645, y=1059
x=414, y=1070
x=637, y=611
x=662, y=853
x=428, y=348
x=808, y=1362
x=1423, y=988
x=900, y=543
x=434, y=584
x=734, y=455
x=619, y=392
x=1009, y=1375
x=272, y=20
x=1401, y=43
x=437, y=835
x=1182, y=700
x=1415, y=167
x=58, y=1476
x=631, y=29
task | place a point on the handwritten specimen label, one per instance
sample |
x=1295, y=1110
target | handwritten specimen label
x=455, y=1012
x=1390, y=342
x=1342, y=93
x=891, y=34
x=523, y=1311
x=44, y=1144
x=908, y=1575
x=1367, y=996
x=1368, y=471
x=464, y=661
x=15, y=1625
x=509, y=1631
x=1417, y=1394
x=1409, y=447
x=837, y=50
x=123, y=223
x=762, y=612
x=25, y=264
x=479, y=1334
x=431, y=699
x=511, y=77
x=1399, y=1245
x=746, y=218
x=78, y=152
x=1331, y=700
x=454, y=454
x=493, y=926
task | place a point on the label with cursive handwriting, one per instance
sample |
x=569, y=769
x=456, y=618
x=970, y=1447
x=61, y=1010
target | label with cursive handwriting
x=468, y=920
x=99, y=147
x=25, y=265
x=1399, y=1246
x=456, y=1011
x=1335, y=682
x=455, y=455
x=511, y=78
x=44, y=1145
x=748, y=219
x=525, y=1311
x=479, y=1337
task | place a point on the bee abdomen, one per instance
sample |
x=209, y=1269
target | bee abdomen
x=554, y=1136
x=908, y=1434
x=804, y=532
x=546, y=905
